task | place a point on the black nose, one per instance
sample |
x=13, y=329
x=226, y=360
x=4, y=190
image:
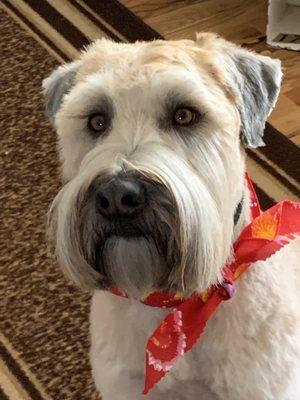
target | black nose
x=121, y=197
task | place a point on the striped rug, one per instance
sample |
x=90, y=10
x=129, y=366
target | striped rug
x=43, y=319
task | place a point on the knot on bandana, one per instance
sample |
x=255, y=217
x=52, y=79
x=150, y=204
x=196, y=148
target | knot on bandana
x=181, y=329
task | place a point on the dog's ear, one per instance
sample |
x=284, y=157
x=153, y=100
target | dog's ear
x=57, y=85
x=253, y=79
x=257, y=79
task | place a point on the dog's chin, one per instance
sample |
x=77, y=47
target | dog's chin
x=133, y=264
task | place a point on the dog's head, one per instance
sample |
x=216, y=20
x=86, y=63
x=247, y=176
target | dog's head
x=150, y=139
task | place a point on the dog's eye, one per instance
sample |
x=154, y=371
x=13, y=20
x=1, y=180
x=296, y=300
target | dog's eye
x=184, y=116
x=98, y=123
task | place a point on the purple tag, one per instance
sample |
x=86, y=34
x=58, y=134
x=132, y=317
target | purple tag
x=229, y=288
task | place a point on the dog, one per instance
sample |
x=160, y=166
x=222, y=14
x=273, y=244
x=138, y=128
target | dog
x=151, y=139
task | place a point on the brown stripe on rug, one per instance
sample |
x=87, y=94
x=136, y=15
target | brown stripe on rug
x=10, y=385
x=35, y=30
x=22, y=12
x=17, y=372
x=282, y=152
x=96, y=21
x=263, y=197
x=268, y=181
x=123, y=20
x=275, y=172
x=3, y=395
x=59, y=22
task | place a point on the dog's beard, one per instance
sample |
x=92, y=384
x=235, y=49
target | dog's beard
x=180, y=248
x=136, y=254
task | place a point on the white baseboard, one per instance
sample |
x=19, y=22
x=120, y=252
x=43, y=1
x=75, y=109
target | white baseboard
x=283, y=29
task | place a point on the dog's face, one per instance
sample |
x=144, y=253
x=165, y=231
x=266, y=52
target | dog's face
x=150, y=140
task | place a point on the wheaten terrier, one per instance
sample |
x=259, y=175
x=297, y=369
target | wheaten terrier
x=151, y=139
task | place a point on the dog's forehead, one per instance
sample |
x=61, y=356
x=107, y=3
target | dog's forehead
x=141, y=57
x=151, y=69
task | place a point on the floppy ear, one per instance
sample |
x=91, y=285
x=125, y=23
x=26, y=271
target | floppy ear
x=57, y=85
x=253, y=79
x=257, y=80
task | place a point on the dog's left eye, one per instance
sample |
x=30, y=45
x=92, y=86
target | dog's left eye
x=98, y=123
x=184, y=116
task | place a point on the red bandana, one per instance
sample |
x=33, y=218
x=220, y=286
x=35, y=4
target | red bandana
x=181, y=329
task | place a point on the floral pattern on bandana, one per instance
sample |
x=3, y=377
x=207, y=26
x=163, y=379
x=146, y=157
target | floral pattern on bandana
x=265, y=226
x=171, y=345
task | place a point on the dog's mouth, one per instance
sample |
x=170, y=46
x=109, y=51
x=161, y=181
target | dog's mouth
x=125, y=227
x=136, y=231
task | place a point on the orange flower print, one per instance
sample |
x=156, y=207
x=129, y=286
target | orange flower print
x=239, y=271
x=265, y=227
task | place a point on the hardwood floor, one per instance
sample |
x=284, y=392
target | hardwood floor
x=242, y=21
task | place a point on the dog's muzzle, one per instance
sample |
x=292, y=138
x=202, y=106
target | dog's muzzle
x=126, y=205
x=128, y=230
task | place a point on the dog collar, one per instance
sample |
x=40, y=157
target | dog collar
x=181, y=329
x=238, y=211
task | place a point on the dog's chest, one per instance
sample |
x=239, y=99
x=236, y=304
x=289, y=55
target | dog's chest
x=259, y=327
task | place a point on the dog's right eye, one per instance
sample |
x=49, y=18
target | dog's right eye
x=98, y=123
x=185, y=116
